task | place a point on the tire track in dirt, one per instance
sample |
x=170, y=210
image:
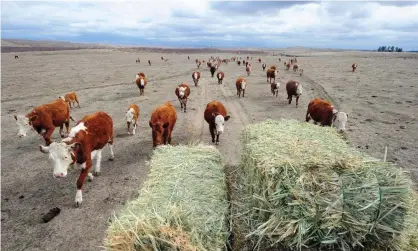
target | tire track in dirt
x=197, y=124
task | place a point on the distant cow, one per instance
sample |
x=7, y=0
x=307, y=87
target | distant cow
x=354, y=66
x=162, y=122
x=137, y=61
x=288, y=65
x=300, y=71
x=188, y=57
x=85, y=142
x=44, y=118
x=132, y=117
x=182, y=92
x=71, y=99
x=324, y=113
x=141, y=82
x=259, y=60
x=294, y=88
x=149, y=62
x=215, y=115
x=16, y=56
x=162, y=58
x=275, y=88
x=271, y=75
x=212, y=71
x=264, y=66
x=295, y=68
x=196, y=77
x=248, y=69
x=239, y=63
x=220, y=77
x=241, y=84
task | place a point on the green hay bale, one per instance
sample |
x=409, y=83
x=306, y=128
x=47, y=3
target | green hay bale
x=307, y=188
x=182, y=205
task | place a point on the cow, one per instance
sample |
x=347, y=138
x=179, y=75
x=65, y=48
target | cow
x=162, y=122
x=220, y=77
x=248, y=69
x=71, y=98
x=241, y=84
x=354, y=66
x=44, y=118
x=196, y=77
x=259, y=60
x=293, y=88
x=212, y=71
x=84, y=143
x=275, y=88
x=182, y=92
x=162, y=58
x=149, y=62
x=323, y=112
x=300, y=71
x=288, y=65
x=16, y=56
x=137, y=61
x=132, y=117
x=271, y=75
x=264, y=65
x=141, y=82
x=239, y=62
x=295, y=68
x=188, y=57
x=215, y=115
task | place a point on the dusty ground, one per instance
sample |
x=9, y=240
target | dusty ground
x=103, y=81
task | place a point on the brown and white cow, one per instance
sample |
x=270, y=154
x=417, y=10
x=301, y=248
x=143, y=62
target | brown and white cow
x=248, y=69
x=354, y=67
x=71, y=99
x=323, y=112
x=196, y=77
x=132, y=117
x=182, y=92
x=288, y=65
x=220, y=76
x=141, y=82
x=264, y=65
x=215, y=115
x=44, y=118
x=241, y=84
x=84, y=143
x=212, y=70
x=294, y=88
x=275, y=86
x=295, y=68
x=271, y=75
x=162, y=122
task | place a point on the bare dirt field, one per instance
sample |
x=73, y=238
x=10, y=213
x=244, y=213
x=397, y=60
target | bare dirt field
x=381, y=98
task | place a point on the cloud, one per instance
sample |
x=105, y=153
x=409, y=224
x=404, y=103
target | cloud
x=361, y=25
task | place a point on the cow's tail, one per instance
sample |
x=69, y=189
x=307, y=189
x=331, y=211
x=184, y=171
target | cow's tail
x=72, y=119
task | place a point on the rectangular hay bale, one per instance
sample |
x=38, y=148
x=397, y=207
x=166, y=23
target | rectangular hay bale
x=307, y=187
x=182, y=204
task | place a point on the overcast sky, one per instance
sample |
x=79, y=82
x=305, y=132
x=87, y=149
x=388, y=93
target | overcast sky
x=203, y=23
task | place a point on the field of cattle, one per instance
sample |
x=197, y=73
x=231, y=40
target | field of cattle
x=381, y=98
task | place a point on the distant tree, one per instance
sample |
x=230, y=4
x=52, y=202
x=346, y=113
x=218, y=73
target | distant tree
x=383, y=48
x=396, y=48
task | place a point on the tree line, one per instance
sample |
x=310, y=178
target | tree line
x=389, y=49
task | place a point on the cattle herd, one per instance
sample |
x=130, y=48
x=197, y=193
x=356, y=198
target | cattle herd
x=86, y=140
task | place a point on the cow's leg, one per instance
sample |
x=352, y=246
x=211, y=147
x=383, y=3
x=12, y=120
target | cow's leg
x=217, y=139
x=97, y=167
x=61, y=128
x=47, y=135
x=212, y=132
x=134, y=127
x=185, y=104
x=307, y=117
x=290, y=99
x=243, y=93
x=169, y=137
x=83, y=174
x=297, y=101
x=67, y=126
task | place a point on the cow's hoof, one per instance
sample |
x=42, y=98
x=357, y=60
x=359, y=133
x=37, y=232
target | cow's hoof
x=129, y=133
x=217, y=143
x=96, y=173
x=77, y=204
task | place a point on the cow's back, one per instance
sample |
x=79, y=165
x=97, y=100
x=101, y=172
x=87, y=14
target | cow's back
x=99, y=128
x=164, y=113
x=214, y=107
x=320, y=110
x=291, y=86
x=56, y=112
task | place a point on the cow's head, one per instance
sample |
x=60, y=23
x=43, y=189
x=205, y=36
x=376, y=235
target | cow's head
x=243, y=84
x=220, y=123
x=299, y=89
x=24, y=123
x=157, y=132
x=182, y=91
x=339, y=120
x=142, y=81
x=61, y=156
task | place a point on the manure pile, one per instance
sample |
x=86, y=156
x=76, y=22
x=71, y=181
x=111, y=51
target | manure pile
x=182, y=205
x=304, y=187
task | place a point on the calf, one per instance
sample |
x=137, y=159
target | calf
x=294, y=88
x=196, y=77
x=162, y=122
x=275, y=88
x=220, y=77
x=141, y=82
x=215, y=115
x=212, y=71
x=182, y=92
x=132, y=117
x=71, y=98
x=271, y=75
x=295, y=68
x=44, y=118
x=264, y=66
x=354, y=66
x=241, y=84
x=248, y=69
x=324, y=112
x=85, y=142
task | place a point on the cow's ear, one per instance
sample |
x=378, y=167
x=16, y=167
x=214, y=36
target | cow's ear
x=15, y=116
x=150, y=124
x=44, y=149
x=33, y=118
x=165, y=124
x=227, y=117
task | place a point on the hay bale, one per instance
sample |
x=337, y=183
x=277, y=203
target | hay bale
x=307, y=188
x=182, y=205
